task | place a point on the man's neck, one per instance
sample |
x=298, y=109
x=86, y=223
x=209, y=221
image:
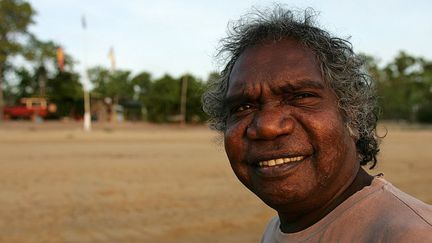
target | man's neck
x=290, y=224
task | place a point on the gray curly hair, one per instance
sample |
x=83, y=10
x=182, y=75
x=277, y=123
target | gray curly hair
x=344, y=70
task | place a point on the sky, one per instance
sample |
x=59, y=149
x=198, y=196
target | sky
x=178, y=37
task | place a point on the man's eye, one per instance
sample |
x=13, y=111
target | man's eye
x=303, y=95
x=241, y=108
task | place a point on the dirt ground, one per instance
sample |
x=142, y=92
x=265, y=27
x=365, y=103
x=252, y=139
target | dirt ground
x=148, y=183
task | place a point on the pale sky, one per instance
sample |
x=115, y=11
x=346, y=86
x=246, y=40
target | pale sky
x=176, y=37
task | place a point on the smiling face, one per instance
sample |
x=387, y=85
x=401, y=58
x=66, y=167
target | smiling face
x=285, y=137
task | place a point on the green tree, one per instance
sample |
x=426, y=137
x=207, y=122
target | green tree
x=99, y=77
x=44, y=79
x=15, y=17
x=424, y=113
x=141, y=84
x=120, y=89
x=195, y=89
x=120, y=86
x=43, y=55
x=26, y=83
x=403, y=86
x=163, y=99
x=65, y=90
x=115, y=85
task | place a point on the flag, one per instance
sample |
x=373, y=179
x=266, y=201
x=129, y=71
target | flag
x=60, y=58
x=83, y=22
x=112, y=59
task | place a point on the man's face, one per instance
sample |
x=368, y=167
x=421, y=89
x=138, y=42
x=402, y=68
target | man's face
x=285, y=138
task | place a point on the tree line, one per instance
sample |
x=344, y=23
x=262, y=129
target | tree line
x=404, y=85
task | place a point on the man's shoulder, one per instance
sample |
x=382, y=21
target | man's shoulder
x=416, y=231
x=379, y=212
x=401, y=217
x=395, y=203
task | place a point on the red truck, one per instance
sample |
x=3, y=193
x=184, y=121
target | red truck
x=29, y=109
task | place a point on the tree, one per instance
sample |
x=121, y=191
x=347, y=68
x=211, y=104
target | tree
x=43, y=55
x=424, y=113
x=195, y=89
x=115, y=85
x=44, y=79
x=15, y=17
x=26, y=85
x=119, y=88
x=141, y=84
x=163, y=99
x=65, y=90
x=404, y=87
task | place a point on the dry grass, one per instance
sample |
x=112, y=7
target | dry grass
x=146, y=183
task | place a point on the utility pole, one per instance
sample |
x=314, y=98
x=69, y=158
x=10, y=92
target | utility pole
x=1, y=93
x=87, y=116
x=183, y=100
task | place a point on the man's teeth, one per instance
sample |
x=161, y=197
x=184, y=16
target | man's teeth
x=273, y=162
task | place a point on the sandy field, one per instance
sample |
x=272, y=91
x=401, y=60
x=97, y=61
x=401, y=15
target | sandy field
x=148, y=183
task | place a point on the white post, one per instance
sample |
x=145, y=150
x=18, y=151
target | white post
x=183, y=100
x=87, y=114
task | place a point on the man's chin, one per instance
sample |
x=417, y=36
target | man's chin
x=283, y=193
x=282, y=201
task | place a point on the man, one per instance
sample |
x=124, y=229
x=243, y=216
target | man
x=298, y=116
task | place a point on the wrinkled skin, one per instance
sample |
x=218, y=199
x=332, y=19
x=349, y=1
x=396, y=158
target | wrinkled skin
x=280, y=106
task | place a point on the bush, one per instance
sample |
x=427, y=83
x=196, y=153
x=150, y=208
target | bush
x=424, y=114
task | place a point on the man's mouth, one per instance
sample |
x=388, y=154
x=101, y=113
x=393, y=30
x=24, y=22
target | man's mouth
x=279, y=161
x=278, y=167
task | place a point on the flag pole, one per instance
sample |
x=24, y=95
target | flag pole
x=87, y=116
x=111, y=56
x=183, y=99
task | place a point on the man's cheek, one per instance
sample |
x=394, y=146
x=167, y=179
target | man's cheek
x=243, y=173
x=233, y=141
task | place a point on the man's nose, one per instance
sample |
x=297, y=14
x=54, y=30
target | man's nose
x=271, y=123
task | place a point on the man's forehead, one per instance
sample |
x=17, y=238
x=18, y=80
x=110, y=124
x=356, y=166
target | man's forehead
x=282, y=61
x=288, y=78
x=287, y=50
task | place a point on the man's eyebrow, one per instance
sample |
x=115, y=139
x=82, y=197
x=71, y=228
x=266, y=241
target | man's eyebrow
x=301, y=84
x=236, y=98
x=285, y=88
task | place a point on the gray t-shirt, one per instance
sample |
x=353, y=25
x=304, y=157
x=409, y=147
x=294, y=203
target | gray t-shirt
x=377, y=213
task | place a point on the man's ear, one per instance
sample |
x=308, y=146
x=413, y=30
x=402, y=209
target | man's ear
x=353, y=133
